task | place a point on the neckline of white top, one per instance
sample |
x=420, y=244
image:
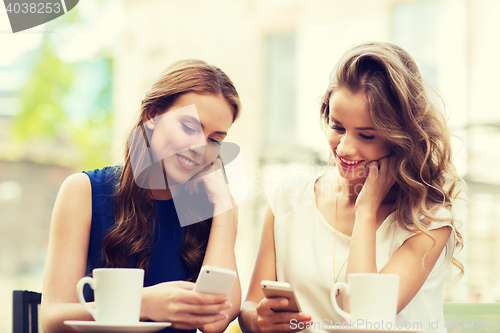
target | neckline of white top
x=324, y=221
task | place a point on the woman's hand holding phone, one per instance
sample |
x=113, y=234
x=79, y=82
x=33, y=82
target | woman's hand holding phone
x=178, y=303
x=277, y=313
x=271, y=321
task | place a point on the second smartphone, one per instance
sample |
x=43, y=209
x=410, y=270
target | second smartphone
x=274, y=289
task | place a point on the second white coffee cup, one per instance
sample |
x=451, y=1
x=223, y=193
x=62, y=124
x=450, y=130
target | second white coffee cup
x=373, y=300
x=117, y=294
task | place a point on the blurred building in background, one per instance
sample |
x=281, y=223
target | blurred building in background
x=279, y=54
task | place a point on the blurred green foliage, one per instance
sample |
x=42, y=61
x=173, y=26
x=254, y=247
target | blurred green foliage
x=45, y=111
x=42, y=114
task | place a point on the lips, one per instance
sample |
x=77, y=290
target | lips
x=348, y=163
x=186, y=162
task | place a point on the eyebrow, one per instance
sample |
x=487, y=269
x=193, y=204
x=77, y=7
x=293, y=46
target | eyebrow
x=357, y=128
x=197, y=122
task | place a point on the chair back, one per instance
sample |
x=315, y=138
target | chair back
x=25, y=311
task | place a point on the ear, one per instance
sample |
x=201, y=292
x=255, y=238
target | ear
x=150, y=123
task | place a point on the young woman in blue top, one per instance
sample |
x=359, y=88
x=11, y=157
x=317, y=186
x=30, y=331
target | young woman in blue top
x=124, y=216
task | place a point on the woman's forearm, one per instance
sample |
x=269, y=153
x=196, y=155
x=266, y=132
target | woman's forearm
x=52, y=316
x=362, y=252
x=220, y=253
x=220, y=247
x=247, y=318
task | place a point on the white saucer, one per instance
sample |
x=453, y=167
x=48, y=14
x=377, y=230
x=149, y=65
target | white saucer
x=93, y=327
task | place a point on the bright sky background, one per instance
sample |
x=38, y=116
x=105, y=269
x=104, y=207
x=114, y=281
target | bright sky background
x=78, y=43
x=13, y=45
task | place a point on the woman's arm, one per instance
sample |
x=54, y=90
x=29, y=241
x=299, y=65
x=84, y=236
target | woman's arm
x=406, y=262
x=265, y=269
x=66, y=264
x=186, y=309
x=67, y=254
x=220, y=253
x=408, y=259
x=256, y=314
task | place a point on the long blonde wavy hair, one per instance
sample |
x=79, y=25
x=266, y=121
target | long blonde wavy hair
x=129, y=242
x=403, y=114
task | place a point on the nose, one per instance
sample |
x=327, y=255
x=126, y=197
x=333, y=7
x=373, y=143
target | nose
x=198, y=144
x=206, y=147
x=346, y=146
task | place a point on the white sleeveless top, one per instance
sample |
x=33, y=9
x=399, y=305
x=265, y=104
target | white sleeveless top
x=305, y=253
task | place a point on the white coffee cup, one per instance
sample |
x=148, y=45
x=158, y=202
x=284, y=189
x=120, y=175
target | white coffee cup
x=373, y=300
x=117, y=294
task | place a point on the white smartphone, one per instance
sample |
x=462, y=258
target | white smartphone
x=274, y=289
x=215, y=280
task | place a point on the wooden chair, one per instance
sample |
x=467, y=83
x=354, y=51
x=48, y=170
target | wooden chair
x=25, y=311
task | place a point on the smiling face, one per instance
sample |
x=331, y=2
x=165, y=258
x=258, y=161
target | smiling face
x=351, y=134
x=188, y=135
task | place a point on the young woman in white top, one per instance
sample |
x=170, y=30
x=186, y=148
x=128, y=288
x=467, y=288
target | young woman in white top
x=387, y=209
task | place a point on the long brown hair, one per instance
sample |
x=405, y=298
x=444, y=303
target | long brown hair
x=129, y=242
x=403, y=115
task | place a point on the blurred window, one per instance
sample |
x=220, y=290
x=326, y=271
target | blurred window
x=414, y=28
x=280, y=90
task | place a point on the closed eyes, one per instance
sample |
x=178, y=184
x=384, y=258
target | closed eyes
x=189, y=130
x=341, y=130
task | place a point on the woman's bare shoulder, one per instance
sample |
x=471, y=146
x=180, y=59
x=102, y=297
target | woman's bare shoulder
x=75, y=195
x=80, y=179
x=76, y=185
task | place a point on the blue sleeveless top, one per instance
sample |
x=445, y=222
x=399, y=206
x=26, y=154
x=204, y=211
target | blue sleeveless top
x=166, y=263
